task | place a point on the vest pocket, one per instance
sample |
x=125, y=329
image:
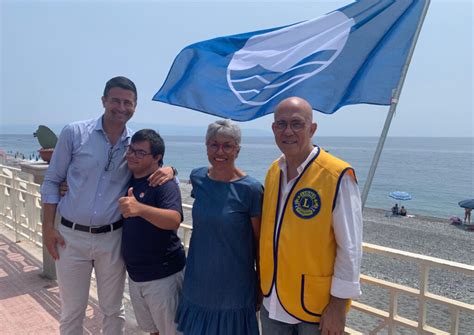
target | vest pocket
x=315, y=292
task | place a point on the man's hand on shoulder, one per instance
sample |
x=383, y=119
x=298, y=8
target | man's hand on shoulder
x=162, y=175
x=333, y=319
x=129, y=206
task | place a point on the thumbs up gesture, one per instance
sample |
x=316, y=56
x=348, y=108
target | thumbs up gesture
x=129, y=205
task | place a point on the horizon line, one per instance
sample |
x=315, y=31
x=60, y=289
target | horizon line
x=271, y=135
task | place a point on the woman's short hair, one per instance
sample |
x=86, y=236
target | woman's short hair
x=226, y=128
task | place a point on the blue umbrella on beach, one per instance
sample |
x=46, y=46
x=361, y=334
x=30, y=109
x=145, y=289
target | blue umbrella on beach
x=468, y=203
x=398, y=195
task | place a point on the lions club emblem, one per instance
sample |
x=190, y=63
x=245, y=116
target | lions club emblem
x=306, y=203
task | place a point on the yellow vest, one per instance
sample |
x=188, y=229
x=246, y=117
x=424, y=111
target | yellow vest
x=301, y=262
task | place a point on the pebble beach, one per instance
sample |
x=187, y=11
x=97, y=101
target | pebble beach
x=423, y=235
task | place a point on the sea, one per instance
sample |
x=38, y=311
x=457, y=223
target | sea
x=437, y=172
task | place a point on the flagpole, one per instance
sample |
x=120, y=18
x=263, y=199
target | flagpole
x=393, y=108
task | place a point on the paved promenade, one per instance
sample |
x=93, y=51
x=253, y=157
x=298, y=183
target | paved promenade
x=30, y=304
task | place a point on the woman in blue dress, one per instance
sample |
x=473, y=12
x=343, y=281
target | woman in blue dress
x=221, y=291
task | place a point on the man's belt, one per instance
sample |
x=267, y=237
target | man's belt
x=92, y=230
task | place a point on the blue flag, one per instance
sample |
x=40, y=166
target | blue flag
x=350, y=56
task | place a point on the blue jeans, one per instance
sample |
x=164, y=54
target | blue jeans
x=274, y=327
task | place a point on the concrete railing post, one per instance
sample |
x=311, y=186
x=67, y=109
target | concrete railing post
x=38, y=171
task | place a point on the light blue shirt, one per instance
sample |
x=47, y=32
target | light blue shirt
x=81, y=157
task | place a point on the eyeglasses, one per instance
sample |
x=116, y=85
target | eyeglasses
x=110, y=163
x=226, y=147
x=140, y=154
x=294, y=125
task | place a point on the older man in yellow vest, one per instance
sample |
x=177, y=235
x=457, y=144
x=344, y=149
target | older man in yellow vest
x=311, y=235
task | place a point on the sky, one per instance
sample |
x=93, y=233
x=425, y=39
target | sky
x=55, y=57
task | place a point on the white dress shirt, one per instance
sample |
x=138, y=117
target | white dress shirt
x=347, y=226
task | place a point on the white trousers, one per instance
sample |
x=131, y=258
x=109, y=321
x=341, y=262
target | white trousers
x=84, y=251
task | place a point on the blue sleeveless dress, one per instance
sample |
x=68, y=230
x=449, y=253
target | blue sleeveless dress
x=220, y=280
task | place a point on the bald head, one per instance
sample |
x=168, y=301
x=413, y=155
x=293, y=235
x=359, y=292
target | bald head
x=293, y=129
x=295, y=104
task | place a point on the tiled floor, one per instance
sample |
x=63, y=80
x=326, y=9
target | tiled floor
x=30, y=304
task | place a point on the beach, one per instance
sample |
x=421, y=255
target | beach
x=423, y=235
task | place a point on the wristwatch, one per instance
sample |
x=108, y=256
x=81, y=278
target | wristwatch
x=175, y=172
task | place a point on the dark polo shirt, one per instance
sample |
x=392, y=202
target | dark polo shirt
x=150, y=252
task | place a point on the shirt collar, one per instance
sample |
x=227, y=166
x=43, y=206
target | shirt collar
x=98, y=124
x=126, y=134
x=282, y=161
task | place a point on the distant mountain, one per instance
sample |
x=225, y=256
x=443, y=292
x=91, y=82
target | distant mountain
x=163, y=129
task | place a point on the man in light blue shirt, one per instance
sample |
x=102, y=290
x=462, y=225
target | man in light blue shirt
x=90, y=155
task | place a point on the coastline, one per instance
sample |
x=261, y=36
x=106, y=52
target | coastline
x=424, y=168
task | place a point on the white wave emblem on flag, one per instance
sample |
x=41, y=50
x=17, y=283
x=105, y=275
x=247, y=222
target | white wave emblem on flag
x=271, y=63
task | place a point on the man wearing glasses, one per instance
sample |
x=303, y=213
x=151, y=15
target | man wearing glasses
x=90, y=155
x=311, y=234
x=151, y=249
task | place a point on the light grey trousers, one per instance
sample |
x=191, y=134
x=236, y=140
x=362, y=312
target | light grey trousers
x=84, y=251
x=155, y=302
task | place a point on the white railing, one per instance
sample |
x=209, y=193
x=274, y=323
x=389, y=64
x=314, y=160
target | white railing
x=391, y=318
x=20, y=205
x=20, y=210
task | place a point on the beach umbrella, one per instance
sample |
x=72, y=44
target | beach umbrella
x=398, y=195
x=468, y=203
